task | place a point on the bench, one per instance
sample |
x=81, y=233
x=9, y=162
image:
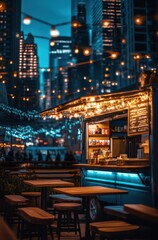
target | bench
x=37, y=220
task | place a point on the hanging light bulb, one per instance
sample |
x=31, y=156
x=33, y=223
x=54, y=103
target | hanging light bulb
x=27, y=20
x=86, y=51
x=52, y=43
x=2, y=6
x=54, y=32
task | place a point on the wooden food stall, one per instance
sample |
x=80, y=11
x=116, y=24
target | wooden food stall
x=119, y=143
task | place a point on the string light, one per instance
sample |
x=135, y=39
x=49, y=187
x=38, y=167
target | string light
x=87, y=107
x=27, y=132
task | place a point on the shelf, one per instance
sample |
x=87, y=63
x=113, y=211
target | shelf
x=98, y=146
x=98, y=135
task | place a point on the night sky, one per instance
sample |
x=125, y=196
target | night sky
x=51, y=11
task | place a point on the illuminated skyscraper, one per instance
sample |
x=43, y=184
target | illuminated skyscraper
x=10, y=20
x=139, y=39
x=28, y=74
x=60, y=57
x=80, y=82
x=105, y=24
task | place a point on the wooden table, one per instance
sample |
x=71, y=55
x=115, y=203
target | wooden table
x=44, y=184
x=146, y=213
x=142, y=211
x=87, y=192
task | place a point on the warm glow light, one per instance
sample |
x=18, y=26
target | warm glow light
x=76, y=24
x=2, y=6
x=86, y=51
x=76, y=51
x=15, y=74
x=54, y=32
x=105, y=23
x=123, y=41
x=137, y=57
x=114, y=55
x=138, y=20
x=52, y=43
x=88, y=107
x=147, y=56
x=27, y=20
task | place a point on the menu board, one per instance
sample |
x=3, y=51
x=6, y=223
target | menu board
x=138, y=118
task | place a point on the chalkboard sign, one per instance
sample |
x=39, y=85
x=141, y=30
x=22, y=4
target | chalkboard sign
x=138, y=118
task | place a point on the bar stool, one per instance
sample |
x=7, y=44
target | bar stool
x=59, y=198
x=12, y=202
x=37, y=221
x=68, y=219
x=113, y=229
x=65, y=198
x=34, y=198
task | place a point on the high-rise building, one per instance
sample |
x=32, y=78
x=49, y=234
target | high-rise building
x=10, y=20
x=105, y=24
x=60, y=58
x=74, y=6
x=47, y=98
x=28, y=81
x=80, y=82
x=139, y=39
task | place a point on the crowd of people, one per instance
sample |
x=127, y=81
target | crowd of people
x=23, y=156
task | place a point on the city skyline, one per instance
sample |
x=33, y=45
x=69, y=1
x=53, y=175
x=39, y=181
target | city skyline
x=57, y=12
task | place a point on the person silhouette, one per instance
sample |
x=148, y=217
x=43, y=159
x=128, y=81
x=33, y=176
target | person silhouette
x=58, y=157
x=48, y=157
x=40, y=158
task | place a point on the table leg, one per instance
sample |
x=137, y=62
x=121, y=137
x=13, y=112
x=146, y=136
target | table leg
x=87, y=228
x=44, y=198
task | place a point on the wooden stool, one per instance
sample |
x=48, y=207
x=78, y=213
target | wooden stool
x=68, y=219
x=65, y=198
x=113, y=229
x=34, y=198
x=12, y=202
x=37, y=220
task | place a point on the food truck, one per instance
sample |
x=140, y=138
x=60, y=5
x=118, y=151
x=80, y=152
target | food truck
x=119, y=144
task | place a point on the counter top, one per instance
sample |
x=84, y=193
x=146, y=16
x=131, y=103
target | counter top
x=128, y=168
